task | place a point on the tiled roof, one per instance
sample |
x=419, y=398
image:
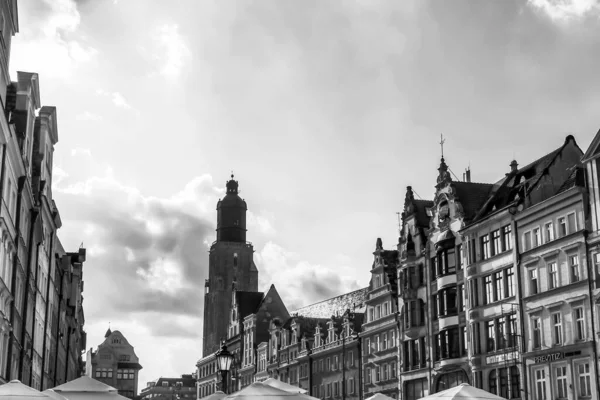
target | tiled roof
x=472, y=196
x=421, y=216
x=523, y=180
x=577, y=178
x=355, y=301
x=186, y=381
x=248, y=302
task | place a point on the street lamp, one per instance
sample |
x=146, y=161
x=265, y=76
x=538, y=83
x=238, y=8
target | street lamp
x=224, y=360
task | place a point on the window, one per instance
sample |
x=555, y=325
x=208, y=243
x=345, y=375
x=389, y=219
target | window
x=493, y=383
x=499, y=285
x=393, y=370
x=496, y=242
x=562, y=227
x=512, y=330
x=415, y=388
x=561, y=382
x=537, y=240
x=384, y=372
x=490, y=334
x=540, y=384
x=446, y=302
x=385, y=341
x=351, y=386
x=549, y=232
x=557, y=328
x=485, y=247
x=571, y=223
x=465, y=340
x=584, y=380
x=459, y=257
x=489, y=289
x=335, y=363
x=552, y=276
x=377, y=373
x=378, y=312
x=368, y=346
x=507, y=237
x=536, y=329
x=392, y=338
x=461, y=297
x=574, y=268
x=367, y=375
x=533, y=281
x=527, y=241
x=579, y=324
x=447, y=344
x=386, y=308
x=510, y=282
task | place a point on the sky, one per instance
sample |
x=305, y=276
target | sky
x=325, y=111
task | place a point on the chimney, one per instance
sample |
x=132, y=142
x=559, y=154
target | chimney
x=468, y=175
x=513, y=166
x=464, y=177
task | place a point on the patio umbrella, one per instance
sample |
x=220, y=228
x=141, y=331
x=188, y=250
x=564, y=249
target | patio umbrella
x=86, y=388
x=84, y=384
x=15, y=390
x=218, y=395
x=259, y=390
x=276, y=383
x=463, y=391
x=379, y=396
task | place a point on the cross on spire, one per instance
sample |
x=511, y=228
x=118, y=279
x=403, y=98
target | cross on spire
x=442, y=141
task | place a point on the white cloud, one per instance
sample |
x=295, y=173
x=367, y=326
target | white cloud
x=175, y=52
x=300, y=282
x=562, y=10
x=51, y=44
x=155, y=249
x=88, y=116
x=81, y=151
x=117, y=98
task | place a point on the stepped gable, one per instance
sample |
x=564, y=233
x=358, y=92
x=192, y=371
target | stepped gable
x=248, y=302
x=354, y=301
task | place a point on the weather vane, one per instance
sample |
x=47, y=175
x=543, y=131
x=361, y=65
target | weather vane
x=442, y=141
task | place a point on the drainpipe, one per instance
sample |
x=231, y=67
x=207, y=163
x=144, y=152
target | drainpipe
x=517, y=264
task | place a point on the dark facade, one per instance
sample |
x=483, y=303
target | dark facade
x=40, y=284
x=230, y=264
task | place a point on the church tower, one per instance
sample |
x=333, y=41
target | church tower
x=231, y=264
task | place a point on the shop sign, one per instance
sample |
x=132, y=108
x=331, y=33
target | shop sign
x=548, y=358
x=497, y=358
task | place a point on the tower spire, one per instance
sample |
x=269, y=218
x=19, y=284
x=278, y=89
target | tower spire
x=442, y=141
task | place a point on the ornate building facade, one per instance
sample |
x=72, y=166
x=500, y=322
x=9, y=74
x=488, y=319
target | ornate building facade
x=492, y=284
x=41, y=328
x=115, y=364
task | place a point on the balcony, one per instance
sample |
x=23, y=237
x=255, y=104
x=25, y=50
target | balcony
x=445, y=322
x=446, y=280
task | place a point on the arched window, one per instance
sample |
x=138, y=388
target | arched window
x=493, y=382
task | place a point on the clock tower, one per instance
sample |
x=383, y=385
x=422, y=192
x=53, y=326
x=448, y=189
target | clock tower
x=231, y=264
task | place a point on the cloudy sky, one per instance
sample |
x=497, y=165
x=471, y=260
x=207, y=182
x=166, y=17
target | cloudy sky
x=325, y=111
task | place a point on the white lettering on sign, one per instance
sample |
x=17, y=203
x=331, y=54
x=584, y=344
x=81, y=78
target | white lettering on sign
x=501, y=357
x=548, y=358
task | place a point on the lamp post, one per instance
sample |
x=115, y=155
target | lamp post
x=224, y=360
x=356, y=336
